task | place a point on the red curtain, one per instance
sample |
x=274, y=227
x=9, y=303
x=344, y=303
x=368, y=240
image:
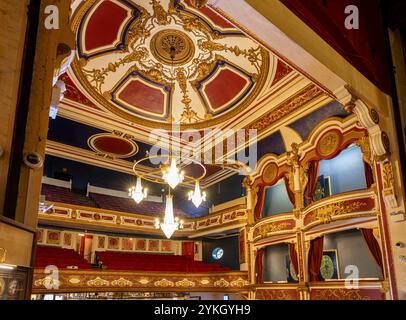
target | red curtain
x=259, y=265
x=315, y=257
x=373, y=246
x=291, y=194
x=369, y=177
x=363, y=48
x=260, y=203
x=293, y=257
x=313, y=174
x=82, y=246
x=188, y=249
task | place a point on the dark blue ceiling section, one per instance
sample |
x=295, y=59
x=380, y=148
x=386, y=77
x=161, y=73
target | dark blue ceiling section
x=76, y=134
x=70, y=132
x=272, y=144
x=82, y=174
x=305, y=125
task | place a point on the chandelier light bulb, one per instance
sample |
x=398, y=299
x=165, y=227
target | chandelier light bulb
x=170, y=223
x=197, y=196
x=138, y=193
x=172, y=176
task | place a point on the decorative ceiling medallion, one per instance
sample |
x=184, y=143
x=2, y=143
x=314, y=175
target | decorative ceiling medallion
x=155, y=31
x=270, y=173
x=172, y=42
x=329, y=143
x=112, y=146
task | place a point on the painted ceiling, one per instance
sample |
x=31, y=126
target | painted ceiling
x=124, y=61
x=146, y=64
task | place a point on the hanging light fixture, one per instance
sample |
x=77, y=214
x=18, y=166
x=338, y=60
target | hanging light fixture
x=138, y=193
x=172, y=175
x=170, y=223
x=197, y=196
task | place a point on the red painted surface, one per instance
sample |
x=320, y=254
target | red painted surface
x=74, y=94
x=223, y=88
x=113, y=145
x=282, y=70
x=277, y=294
x=104, y=25
x=214, y=17
x=346, y=294
x=144, y=97
x=368, y=204
x=188, y=248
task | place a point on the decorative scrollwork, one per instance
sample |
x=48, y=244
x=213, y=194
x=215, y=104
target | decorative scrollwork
x=170, y=47
x=327, y=213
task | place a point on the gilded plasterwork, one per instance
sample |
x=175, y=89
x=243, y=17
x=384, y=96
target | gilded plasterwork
x=88, y=280
x=171, y=49
x=329, y=143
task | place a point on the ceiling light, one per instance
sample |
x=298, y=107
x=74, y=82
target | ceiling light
x=171, y=174
x=138, y=193
x=197, y=196
x=170, y=223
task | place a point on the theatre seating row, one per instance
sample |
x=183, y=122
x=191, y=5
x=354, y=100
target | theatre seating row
x=65, y=195
x=154, y=262
x=62, y=258
x=95, y=200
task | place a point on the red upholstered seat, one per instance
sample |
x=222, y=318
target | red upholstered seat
x=62, y=258
x=65, y=195
x=154, y=262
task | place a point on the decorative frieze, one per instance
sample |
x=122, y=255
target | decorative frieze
x=340, y=209
x=94, y=281
x=99, y=217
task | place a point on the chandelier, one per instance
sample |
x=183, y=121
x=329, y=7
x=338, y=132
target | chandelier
x=197, y=196
x=169, y=174
x=138, y=193
x=170, y=223
x=172, y=175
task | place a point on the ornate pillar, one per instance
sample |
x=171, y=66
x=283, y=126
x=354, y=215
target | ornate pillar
x=251, y=195
x=379, y=155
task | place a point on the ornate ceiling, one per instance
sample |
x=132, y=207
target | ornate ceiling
x=144, y=64
x=161, y=60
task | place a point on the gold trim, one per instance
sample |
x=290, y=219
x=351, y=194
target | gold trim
x=259, y=85
x=164, y=40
